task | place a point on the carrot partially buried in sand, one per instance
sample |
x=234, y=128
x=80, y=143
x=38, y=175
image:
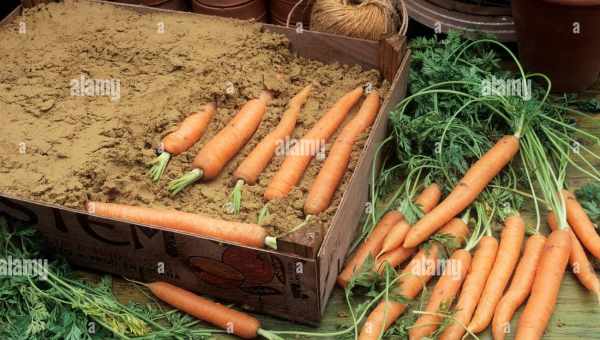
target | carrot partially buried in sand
x=331, y=174
x=187, y=134
x=242, y=233
x=213, y=156
x=298, y=158
x=252, y=166
x=466, y=191
x=233, y=322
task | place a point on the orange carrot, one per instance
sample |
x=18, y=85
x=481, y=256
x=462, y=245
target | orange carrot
x=295, y=163
x=213, y=156
x=581, y=265
x=546, y=285
x=427, y=200
x=331, y=174
x=520, y=287
x=259, y=158
x=509, y=250
x=370, y=246
x=582, y=225
x=394, y=258
x=482, y=263
x=238, y=323
x=466, y=191
x=180, y=140
x=237, y=232
x=414, y=277
x=443, y=293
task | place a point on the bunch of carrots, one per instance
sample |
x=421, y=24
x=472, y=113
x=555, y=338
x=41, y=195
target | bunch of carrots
x=222, y=148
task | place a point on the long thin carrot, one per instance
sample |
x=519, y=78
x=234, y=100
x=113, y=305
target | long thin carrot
x=298, y=158
x=213, y=157
x=546, y=285
x=520, y=287
x=242, y=233
x=581, y=265
x=235, y=322
x=331, y=174
x=371, y=246
x=413, y=278
x=466, y=191
x=258, y=159
x=482, y=263
x=427, y=200
x=443, y=293
x=509, y=250
x=581, y=224
x=180, y=140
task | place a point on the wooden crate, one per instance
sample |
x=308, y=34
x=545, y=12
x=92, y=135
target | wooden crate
x=293, y=283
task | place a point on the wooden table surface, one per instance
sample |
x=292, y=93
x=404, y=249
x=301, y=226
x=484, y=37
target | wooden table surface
x=577, y=314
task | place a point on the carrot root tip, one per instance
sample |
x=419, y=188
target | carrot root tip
x=182, y=182
x=235, y=198
x=271, y=242
x=159, y=164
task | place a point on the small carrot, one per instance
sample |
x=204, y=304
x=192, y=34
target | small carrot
x=298, y=158
x=520, y=287
x=331, y=174
x=213, y=157
x=180, y=140
x=466, y=191
x=581, y=265
x=581, y=224
x=371, y=246
x=443, y=293
x=252, y=166
x=242, y=233
x=482, y=263
x=394, y=258
x=546, y=285
x=427, y=200
x=413, y=278
x=509, y=250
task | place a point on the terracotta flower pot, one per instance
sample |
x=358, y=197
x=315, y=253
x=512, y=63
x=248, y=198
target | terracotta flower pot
x=560, y=38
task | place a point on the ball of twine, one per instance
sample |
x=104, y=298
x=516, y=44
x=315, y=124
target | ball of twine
x=366, y=19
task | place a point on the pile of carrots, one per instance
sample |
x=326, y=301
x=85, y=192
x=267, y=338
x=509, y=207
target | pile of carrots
x=217, y=152
x=481, y=292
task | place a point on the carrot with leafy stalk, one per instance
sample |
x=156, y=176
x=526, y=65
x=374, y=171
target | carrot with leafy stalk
x=511, y=240
x=187, y=134
x=300, y=155
x=413, y=278
x=331, y=174
x=252, y=166
x=213, y=156
x=466, y=191
x=481, y=266
x=555, y=255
